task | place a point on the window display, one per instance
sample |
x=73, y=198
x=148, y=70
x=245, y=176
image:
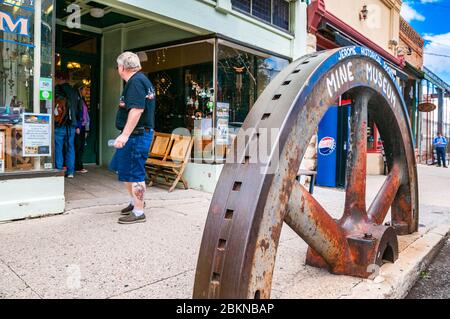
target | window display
x=183, y=76
x=243, y=75
x=183, y=80
x=20, y=83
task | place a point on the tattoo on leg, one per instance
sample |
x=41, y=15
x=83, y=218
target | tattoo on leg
x=139, y=191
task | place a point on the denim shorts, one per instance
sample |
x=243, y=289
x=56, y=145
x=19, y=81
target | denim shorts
x=129, y=161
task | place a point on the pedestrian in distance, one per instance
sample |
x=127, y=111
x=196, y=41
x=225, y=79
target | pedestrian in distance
x=440, y=144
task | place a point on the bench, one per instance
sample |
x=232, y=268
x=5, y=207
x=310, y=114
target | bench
x=311, y=174
x=168, y=157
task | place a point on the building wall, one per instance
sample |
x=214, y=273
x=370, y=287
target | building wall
x=207, y=16
x=382, y=23
x=410, y=39
x=151, y=33
x=32, y=197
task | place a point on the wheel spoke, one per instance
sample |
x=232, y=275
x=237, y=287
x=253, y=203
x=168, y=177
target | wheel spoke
x=311, y=222
x=355, y=197
x=385, y=197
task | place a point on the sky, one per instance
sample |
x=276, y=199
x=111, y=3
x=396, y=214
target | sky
x=431, y=19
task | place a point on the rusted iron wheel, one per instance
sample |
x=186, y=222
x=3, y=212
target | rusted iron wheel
x=254, y=197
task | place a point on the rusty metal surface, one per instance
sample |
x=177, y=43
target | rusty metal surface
x=311, y=222
x=254, y=197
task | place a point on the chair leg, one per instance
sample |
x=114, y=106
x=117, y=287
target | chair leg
x=175, y=182
x=148, y=177
x=183, y=180
x=185, y=183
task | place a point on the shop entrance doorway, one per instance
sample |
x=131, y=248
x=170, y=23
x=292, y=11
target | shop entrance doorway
x=77, y=54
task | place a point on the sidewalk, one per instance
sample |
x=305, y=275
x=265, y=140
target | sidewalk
x=85, y=253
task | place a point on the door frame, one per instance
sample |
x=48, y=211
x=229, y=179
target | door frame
x=95, y=61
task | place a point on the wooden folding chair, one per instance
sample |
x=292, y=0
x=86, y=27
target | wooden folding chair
x=173, y=164
x=159, y=150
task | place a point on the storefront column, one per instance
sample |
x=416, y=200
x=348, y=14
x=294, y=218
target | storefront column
x=37, y=66
x=111, y=86
x=419, y=120
x=440, y=107
x=299, y=25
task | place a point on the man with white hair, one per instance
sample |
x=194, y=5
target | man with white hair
x=136, y=120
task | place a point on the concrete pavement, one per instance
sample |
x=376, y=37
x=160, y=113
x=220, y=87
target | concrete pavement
x=84, y=253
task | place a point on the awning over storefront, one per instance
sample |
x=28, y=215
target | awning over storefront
x=412, y=71
x=436, y=80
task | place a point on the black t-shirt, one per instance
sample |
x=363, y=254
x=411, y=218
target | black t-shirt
x=138, y=93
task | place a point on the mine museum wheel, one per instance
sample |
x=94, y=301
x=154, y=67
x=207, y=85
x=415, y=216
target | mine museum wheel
x=254, y=197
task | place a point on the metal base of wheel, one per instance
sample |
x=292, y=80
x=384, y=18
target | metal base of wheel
x=367, y=248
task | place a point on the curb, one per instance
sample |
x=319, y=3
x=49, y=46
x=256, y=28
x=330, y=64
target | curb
x=396, y=280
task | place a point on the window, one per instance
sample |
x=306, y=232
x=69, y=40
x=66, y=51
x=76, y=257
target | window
x=262, y=10
x=243, y=74
x=183, y=76
x=25, y=89
x=280, y=14
x=183, y=80
x=275, y=12
x=243, y=5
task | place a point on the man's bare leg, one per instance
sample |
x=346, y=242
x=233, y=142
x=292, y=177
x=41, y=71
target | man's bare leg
x=138, y=195
x=137, y=215
x=129, y=187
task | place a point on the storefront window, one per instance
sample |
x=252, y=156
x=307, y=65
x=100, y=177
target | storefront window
x=183, y=77
x=183, y=80
x=243, y=75
x=26, y=85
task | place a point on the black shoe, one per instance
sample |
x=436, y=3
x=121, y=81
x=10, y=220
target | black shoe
x=127, y=210
x=132, y=219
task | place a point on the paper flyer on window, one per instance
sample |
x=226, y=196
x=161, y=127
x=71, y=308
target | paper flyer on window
x=223, y=110
x=36, y=134
x=2, y=151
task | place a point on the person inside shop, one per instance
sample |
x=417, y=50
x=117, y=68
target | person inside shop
x=66, y=115
x=135, y=120
x=82, y=126
x=440, y=144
